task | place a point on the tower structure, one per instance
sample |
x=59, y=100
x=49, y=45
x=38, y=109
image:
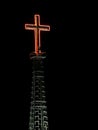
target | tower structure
x=38, y=108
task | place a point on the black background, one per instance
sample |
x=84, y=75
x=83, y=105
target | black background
x=67, y=67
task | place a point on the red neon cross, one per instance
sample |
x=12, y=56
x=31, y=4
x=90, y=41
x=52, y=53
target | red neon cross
x=37, y=29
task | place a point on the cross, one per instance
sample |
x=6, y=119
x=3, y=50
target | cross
x=37, y=27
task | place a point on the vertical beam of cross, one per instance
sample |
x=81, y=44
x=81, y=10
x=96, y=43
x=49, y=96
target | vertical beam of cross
x=37, y=28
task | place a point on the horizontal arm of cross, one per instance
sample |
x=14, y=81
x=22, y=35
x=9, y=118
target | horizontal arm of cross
x=40, y=27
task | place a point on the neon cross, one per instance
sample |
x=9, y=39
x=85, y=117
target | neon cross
x=37, y=29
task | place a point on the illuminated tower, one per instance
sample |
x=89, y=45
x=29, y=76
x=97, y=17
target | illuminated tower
x=38, y=108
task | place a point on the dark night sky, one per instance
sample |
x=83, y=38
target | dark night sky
x=66, y=68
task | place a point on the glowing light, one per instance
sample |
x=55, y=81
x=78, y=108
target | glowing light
x=37, y=27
